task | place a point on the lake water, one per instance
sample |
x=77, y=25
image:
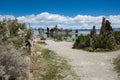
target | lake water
x=69, y=37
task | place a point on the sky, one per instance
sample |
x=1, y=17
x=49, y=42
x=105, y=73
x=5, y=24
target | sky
x=64, y=13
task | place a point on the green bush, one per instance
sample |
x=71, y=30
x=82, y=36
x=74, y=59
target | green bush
x=42, y=42
x=82, y=41
x=117, y=64
x=58, y=37
x=105, y=42
x=43, y=38
x=19, y=42
x=117, y=36
x=29, y=34
x=14, y=26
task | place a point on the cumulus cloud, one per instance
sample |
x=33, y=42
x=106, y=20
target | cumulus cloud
x=6, y=16
x=46, y=19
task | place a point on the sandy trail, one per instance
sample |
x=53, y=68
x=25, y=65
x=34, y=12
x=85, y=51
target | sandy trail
x=87, y=65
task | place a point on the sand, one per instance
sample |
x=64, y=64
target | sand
x=87, y=65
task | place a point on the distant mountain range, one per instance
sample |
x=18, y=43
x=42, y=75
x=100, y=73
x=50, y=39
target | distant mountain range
x=114, y=29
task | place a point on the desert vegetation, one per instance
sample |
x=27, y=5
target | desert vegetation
x=82, y=41
x=21, y=58
x=107, y=40
x=47, y=65
x=117, y=60
x=117, y=65
x=14, y=64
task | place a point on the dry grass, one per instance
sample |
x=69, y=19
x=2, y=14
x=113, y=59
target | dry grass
x=117, y=65
x=49, y=66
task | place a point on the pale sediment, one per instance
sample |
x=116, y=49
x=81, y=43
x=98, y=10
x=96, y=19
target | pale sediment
x=87, y=65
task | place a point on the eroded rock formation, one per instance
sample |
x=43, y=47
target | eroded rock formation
x=92, y=37
x=57, y=30
x=106, y=27
x=41, y=32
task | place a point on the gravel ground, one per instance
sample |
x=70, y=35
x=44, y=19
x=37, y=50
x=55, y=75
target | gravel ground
x=87, y=65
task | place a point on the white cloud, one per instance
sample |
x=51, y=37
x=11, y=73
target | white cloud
x=6, y=16
x=114, y=18
x=79, y=21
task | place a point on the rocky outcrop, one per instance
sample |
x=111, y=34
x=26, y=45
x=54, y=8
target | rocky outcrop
x=102, y=30
x=41, y=32
x=30, y=40
x=48, y=30
x=92, y=37
x=21, y=32
x=57, y=30
x=106, y=27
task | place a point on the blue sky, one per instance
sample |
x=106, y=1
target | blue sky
x=67, y=10
x=63, y=7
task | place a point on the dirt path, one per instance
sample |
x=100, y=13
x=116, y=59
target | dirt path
x=87, y=65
